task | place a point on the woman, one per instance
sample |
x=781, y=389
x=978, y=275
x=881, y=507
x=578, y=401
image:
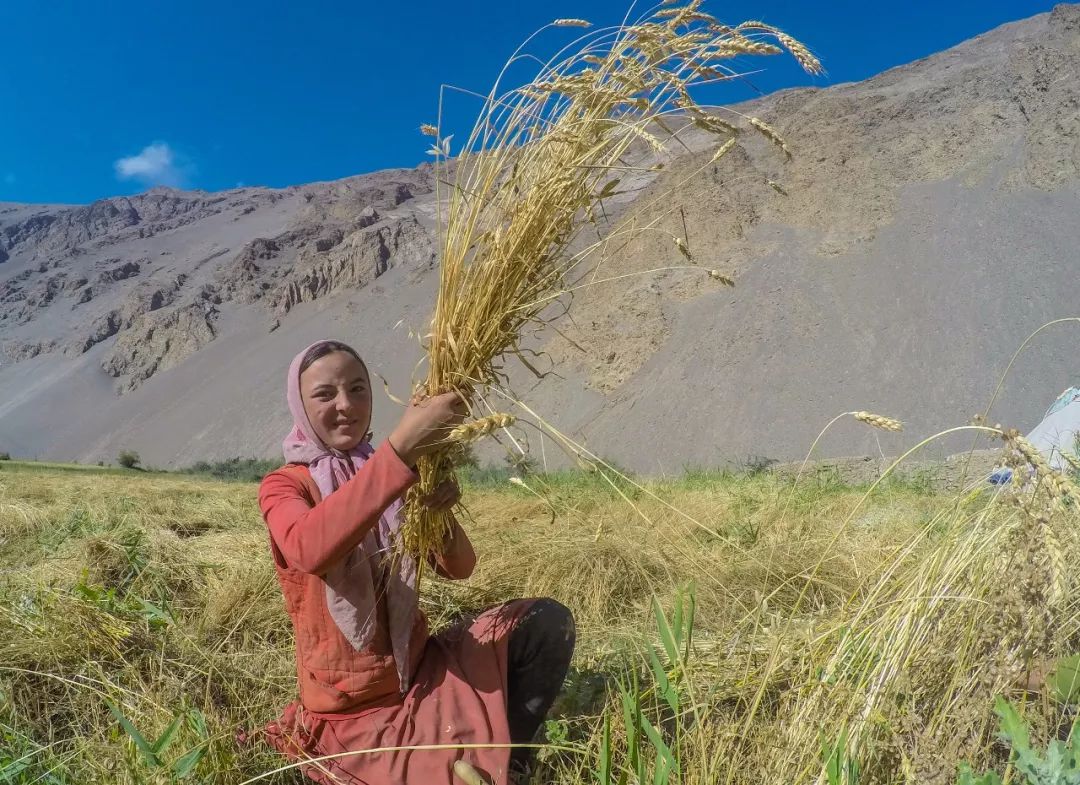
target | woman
x=369, y=675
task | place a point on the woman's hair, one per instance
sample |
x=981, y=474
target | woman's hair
x=325, y=348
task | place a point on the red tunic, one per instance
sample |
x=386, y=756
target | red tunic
x=350, y=700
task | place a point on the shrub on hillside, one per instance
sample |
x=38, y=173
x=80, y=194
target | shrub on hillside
x=129, y=459
x=236, y=469
x=755, y=465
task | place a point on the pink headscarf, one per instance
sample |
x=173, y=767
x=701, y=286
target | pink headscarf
x=351, y=584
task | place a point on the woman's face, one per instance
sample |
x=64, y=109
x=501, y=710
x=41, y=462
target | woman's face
x=336, y=393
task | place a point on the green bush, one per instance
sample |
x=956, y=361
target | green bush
x=129, y=459
x=235, y=469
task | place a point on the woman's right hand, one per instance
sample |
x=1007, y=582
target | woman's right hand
x=425, y=425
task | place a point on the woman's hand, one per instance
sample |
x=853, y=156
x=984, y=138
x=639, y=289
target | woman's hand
x=425, y=425
x=444, y=497
x=457, y=559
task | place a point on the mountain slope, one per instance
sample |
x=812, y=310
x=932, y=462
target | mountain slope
x=925, y=225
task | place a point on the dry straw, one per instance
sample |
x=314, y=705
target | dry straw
x=535, y=170
x=968, y=610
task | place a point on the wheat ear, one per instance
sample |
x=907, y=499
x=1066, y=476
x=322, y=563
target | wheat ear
x=878, y=421
x=478, y=429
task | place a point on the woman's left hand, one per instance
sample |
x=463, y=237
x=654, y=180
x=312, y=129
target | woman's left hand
x=443, y=497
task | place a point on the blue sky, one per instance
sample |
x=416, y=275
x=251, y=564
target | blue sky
x=106, y=98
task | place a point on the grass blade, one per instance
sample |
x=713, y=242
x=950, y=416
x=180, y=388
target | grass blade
x=667, y=637
x=141, y=743
x=166, y=737
x=186, y=765
x=666, y=763
x=663, y=683
x=603, y=775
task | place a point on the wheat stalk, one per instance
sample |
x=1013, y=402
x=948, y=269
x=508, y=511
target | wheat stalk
x=798, y=50
x=1072, y=460
x=1059, y=489
x=1058, y=566
x=722, y=150
x=478, y=429
x=771, y=134
x=534, y=171
x=1059, y=486
x=879, y=421
x=807, y=60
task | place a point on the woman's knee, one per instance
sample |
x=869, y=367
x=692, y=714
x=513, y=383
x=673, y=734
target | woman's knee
x=557, y=620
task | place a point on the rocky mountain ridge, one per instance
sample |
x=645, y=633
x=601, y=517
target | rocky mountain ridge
x=339, y=236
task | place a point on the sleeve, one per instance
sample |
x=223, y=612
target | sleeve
x=312, y=539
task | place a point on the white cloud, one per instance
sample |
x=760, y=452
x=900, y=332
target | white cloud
x=156, y=164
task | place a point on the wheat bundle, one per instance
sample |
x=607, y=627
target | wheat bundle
x=537, y=167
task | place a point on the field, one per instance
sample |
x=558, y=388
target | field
x=731, y=628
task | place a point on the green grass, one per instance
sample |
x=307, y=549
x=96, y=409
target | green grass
x=46, y=466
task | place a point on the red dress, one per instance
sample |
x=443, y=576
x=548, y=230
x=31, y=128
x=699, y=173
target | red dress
x=350, y=700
